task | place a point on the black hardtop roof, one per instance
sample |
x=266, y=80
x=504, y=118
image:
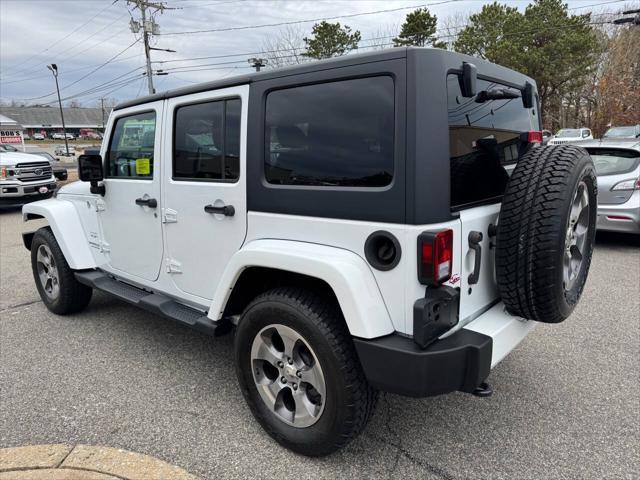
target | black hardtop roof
x=319, y=65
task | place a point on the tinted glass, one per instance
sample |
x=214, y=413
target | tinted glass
x=336, y=134
x=207, y=141
x=131, y=147
x=614, y=162
x=484, y=136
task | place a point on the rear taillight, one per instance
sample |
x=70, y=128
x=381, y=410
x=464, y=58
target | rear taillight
x=627, y=185
x=534, y=136
x=435, y=257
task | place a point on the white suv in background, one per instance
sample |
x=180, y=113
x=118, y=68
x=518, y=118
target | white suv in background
x=570, y=135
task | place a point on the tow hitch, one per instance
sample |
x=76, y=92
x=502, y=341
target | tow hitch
x=483, y=390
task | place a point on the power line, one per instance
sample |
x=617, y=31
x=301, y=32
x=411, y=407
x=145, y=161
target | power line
x=76, y=46
x=65, y=37
x=249, y=27
x=87, y=75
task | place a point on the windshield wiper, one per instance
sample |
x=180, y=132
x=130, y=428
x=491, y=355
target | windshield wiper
x=496, y=94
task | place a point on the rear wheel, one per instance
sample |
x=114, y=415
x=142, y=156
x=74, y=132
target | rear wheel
x=546, y=233
x=299, y=371
x=56, y=283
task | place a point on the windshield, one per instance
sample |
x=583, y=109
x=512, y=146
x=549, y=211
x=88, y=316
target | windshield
x=568, y=132
x=614, y=162
x=621, y=132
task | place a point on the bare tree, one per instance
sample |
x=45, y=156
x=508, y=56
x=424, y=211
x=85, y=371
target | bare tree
x=381, y=38
x=449, y=27
x=285, y=47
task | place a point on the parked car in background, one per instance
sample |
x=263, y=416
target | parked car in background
x=570, y=135
x=632, y=131
x=617, y=165
x=4, y=147
x=63, y=149
x=546, y=136
x=59, y=172
x=25, y=136
x=24, y=176
x=38, y=136
x=61, y=136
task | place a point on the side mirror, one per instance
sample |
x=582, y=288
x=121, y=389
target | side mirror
x=527, y=95
x=90, y=170
x=469, y=79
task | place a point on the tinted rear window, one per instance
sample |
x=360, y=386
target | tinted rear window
x=484, y=137
x=338, y=134
x=614, y=162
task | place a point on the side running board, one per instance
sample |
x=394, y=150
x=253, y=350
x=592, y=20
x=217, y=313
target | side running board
x=152, y=302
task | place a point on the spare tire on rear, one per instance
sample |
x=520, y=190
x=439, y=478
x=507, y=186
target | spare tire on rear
x=546, y=232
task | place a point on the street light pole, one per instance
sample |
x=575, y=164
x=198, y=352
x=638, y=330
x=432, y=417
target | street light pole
x=54, y=69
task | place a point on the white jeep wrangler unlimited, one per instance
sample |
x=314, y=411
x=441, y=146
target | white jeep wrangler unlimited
x=383, y=221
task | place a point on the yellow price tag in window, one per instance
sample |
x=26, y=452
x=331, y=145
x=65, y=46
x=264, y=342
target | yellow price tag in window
x=143, y=166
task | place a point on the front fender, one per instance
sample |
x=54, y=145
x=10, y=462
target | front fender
x=346, y=273
x=67, y=228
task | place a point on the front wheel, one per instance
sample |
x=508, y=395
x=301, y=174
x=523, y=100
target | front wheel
x=55, y=280
x=299, y=371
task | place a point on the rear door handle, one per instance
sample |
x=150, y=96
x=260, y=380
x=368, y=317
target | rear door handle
x=474, y=243
x=226, y=210
x=147, y=202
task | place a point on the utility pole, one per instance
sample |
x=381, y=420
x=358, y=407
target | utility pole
x=54, y=69
x=149, y=27
x=257, y=63
x=102, y=107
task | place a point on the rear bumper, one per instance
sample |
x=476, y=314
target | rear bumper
x=459, y=362
x=620, y=218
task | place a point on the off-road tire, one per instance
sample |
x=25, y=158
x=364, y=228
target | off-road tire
x=350, y=401
x=73, y=296
x=532, y=230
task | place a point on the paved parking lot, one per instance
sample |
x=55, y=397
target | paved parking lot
x=566, y=402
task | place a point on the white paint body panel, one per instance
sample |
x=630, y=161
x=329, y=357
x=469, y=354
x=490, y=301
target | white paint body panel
x=347, y=273
x=485, y=291
x=133, y=233
x=506, y=330
x=201, y=244
x=68, y=229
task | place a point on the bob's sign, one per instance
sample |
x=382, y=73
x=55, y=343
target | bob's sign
x=10, y=136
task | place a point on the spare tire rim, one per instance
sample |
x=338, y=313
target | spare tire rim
x=288, y=375
x=47, y=272
x=576, y=236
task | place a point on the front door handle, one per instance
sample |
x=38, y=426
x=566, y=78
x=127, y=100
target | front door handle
x=226, y=210
x=474, y=243
x=147, y=202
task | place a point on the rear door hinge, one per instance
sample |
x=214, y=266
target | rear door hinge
x=169, y=215
x=173, y=266
x=100, y=205
x=104, y=247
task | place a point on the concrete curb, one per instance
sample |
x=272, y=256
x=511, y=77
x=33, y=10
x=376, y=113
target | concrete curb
x=84, y=462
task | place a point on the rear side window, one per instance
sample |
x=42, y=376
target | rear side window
x=206, y=142
x=485, y=136
x=613, y=161
x=337, y=134
x=131, y=147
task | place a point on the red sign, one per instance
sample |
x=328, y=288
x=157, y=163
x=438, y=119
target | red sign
x=10, y=136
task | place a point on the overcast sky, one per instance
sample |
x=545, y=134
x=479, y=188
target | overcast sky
x=81, y=35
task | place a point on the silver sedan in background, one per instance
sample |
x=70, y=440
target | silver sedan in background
x=617, y=165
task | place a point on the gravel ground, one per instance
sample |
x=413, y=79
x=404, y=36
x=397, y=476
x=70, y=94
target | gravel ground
x=566, y=402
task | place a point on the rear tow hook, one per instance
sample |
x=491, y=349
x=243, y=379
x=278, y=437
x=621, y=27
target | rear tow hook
x=483, y=390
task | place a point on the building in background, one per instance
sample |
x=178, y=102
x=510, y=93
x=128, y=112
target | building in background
x=46, y=120
x=11, y=132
